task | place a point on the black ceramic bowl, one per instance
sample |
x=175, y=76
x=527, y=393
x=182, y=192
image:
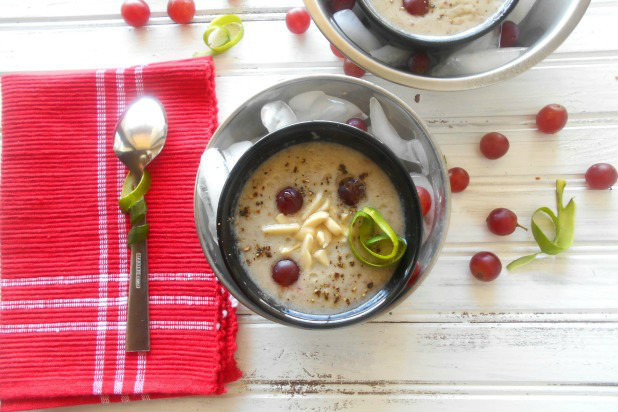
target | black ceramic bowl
x=325, y=132
x=403, y=38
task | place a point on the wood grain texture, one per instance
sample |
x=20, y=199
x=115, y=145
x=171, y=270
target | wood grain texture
x=544, y=338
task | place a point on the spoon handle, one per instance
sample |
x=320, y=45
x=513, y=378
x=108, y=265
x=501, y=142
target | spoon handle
x=138, y=332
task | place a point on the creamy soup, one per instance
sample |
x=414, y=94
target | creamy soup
x=330, y=278
x=445, y=17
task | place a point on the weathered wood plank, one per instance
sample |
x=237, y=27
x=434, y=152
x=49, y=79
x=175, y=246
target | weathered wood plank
x=521, y=96
x=55, y=10
x=475, y=353
x=383, y=398
x=573, y=287
x=397, y=367
x=61, y=48
x=28, y=10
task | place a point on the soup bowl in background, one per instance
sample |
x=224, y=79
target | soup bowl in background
x=545, y=25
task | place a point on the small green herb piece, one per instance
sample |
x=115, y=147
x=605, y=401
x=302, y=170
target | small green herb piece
x=373, y=241
x=129, y=196
x=524, y=260
x=138, y=234
x=203, y=53
x=132, y=201
x=564, y=224
x=383, y=241
x=223, y=33
x=138, y=211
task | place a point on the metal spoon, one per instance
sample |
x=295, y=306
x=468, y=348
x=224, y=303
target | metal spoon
x=140, y=136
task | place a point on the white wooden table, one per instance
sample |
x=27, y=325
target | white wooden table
x=542, y=339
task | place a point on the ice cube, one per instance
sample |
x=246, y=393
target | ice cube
x=410, y=151
x=460, y=64
x=520, y=11
x=276, y=115
x=382, y=129
x=391, y=55
x=416, y=147
x=356, y=31
x=304, y=101
x=490, y=40
x=317, y=105
x=213, y=173
x=234, y=152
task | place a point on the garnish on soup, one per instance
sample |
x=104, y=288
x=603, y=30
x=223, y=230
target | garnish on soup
x=285, y=272
x=373, y=241
x=289, y=200
x=351, y=190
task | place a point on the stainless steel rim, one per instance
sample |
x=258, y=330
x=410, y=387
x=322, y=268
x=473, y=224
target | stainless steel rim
x=538, y=52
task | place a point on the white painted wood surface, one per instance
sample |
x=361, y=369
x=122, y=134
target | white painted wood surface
x=542, y=339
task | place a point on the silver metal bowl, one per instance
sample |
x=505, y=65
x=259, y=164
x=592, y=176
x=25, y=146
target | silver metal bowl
x=244, y=123
x=546, y=26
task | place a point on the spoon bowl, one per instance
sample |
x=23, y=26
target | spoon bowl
x=141, y=133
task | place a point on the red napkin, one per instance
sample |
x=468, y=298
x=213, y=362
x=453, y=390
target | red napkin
x=64, y=259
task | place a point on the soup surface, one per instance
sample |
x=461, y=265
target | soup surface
x=445, y=17
x=330, y=279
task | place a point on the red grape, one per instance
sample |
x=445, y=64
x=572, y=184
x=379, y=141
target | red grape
x=551, y=118
x=509, y=34
x=459, y=179
x=181, y=11
x=336, y=52
x=351, y=69
x=289, y=200
x=502, y=222
x=336, y=5
x=351, y=190
x=494, y=145
x=418, y=63
x=135, y=12
x=425, y=199
x=297, y=20
x=358, y=123
x=285, y=272
x=416, y=7
x=415, y=275
x=601, y=176
x=485, y=266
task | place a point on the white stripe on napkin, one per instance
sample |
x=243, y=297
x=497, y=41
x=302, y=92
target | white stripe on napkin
x=93, y=326
x=94, y=278
x=98, y=302
x=141, y=356
x=123, y=265
x=97, y=384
